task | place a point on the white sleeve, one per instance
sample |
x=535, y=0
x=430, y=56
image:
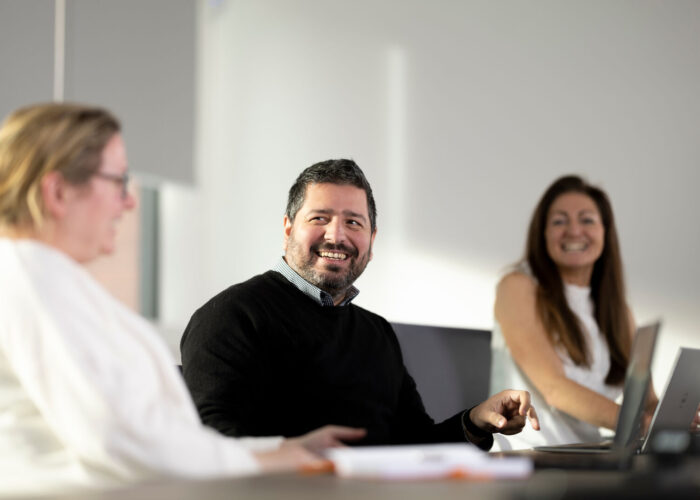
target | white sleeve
x=107, y=386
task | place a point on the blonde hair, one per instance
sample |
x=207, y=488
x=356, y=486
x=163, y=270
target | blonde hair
x=43, y=138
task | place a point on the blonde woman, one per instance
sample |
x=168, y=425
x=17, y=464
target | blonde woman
x=89, y=393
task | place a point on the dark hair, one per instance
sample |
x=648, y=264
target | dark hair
x=607, y=283
x=344, y=172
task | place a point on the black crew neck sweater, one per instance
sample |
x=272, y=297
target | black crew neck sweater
x=261, y=359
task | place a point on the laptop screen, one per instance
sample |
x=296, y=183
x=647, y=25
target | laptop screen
x=680, y=398
x=637, y=383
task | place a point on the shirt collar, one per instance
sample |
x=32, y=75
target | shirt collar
x=319, y=296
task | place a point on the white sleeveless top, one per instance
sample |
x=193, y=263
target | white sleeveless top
x=556, y=426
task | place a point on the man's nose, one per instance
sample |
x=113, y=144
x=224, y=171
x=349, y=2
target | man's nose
x=335, y=232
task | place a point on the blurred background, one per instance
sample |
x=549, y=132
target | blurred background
x=460, y=113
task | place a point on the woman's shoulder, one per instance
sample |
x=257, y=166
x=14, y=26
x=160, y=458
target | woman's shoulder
x=515, y=296
x=516, y=280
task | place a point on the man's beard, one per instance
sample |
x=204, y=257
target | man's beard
x=330, y=279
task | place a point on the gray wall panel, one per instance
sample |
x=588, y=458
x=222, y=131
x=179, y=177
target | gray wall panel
x=138, y=59
x=26, y=53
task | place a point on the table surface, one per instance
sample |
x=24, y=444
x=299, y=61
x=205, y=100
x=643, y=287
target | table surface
x=649, y=479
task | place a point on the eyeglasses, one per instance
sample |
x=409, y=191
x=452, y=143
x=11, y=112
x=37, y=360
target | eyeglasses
x=122, y=180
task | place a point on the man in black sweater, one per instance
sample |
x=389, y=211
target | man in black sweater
x=286, y=351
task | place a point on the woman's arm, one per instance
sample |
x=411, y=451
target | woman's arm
x=652, y=399
x=533, y=352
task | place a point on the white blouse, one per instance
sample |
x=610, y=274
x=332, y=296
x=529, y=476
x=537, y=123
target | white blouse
x=89, y=392
x=556, y=426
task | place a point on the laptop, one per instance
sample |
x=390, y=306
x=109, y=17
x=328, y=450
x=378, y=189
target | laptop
x=680, y=398
x=637, y=381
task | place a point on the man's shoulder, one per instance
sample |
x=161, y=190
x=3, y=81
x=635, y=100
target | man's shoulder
x=261, y=286
x=243, y=303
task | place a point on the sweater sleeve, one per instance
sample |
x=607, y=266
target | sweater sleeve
x=415, y=426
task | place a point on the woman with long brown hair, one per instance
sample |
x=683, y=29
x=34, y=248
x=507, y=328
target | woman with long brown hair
x=563, y=328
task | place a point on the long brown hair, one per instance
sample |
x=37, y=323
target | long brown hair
x=607, y=284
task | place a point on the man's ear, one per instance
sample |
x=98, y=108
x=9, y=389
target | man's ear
x=53, y=194
x=287, y=231
x=371, y=243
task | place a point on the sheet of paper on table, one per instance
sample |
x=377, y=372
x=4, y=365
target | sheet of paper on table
x=425, y=462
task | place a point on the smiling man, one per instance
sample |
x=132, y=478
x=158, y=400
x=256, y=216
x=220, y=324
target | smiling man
x=287, y=351
x=329, y=230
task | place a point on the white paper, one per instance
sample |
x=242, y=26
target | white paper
x=425, y=462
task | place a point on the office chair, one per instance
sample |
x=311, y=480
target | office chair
x=451, y=366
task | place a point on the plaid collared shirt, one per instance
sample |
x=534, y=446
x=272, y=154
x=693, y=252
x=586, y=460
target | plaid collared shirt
x=319, y=296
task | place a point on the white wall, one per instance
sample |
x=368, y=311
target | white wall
x=460, y=114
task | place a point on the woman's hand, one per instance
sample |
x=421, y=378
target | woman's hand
x=695, y=424
x=328, y=436
x=303, y=453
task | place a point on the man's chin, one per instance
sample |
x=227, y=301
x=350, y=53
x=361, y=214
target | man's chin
x=330, y=271
x=332, y=284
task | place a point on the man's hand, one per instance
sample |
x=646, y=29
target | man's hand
x=505, y=412
x=304, y=452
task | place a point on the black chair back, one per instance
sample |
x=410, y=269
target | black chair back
x=451, y=366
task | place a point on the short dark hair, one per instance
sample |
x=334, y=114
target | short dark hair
x=343, y=172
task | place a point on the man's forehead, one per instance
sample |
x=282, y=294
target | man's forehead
x=338, y=197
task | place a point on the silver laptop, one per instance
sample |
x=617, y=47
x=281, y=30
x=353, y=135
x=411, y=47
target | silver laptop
x=637, y=381
x=680, y=398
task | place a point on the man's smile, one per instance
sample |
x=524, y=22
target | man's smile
x=332, y=255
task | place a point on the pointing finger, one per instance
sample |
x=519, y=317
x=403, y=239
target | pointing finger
x=524, y=403
x=534, y=420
